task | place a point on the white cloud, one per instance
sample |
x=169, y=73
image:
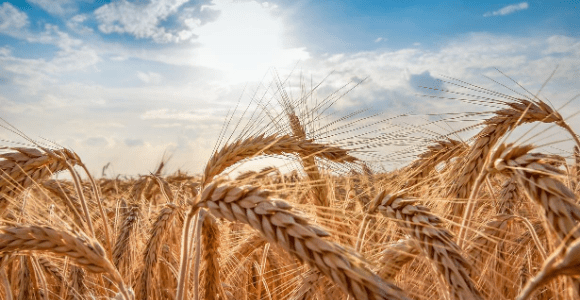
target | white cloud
x=11, y=19
x=506, y=10
x=167, y=125
x=150, y=77
x=34, y=76
x=198, y=114
x=379, y=39
x=391, y=74
x=76, y=24
x=140, y=20
x=562, y=44
x=56, y=7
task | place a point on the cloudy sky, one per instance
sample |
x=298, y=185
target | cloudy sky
x=127, y=81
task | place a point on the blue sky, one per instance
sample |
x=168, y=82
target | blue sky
x=125, y=81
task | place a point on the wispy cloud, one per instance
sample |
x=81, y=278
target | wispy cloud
x=76, y=24
x=56, y=7
x=506, y=10
x=150, y=77
x=11, y=19
x=143, y=20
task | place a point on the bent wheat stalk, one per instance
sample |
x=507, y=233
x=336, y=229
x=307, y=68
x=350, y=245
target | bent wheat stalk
x=519, y=112
x=539, y=180
x=244, y=149
x=297, y=235
x=272, y=144
x=434, y=239
x=319, y=190
x=84, y=251
x=564, y=261
x=441, y=151
x=21, y=168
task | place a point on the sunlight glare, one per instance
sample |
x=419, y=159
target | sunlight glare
x=244, y=42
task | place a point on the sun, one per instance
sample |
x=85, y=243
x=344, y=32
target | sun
x=244, y=42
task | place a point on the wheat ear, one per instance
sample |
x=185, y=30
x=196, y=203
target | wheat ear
x=298, y=236
x=519, y=112
x=564, y=261
x=244, y=149
x=77, y=288
x=144, y=288
x=441, y=151
x=396, y=256
x=271, y=145
x=53, y=270
x=21, y=168
x=539, y=180
x=210, y=276
x=319, y=189
x=25, y=291
x=508, y=196
x=473, y=173
x=84, y=251
x=125, y=241
x=434, y=239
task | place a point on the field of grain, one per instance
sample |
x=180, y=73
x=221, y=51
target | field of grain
x=482, y=216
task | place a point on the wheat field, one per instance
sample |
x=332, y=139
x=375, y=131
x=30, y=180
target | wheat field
x=475, y=213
